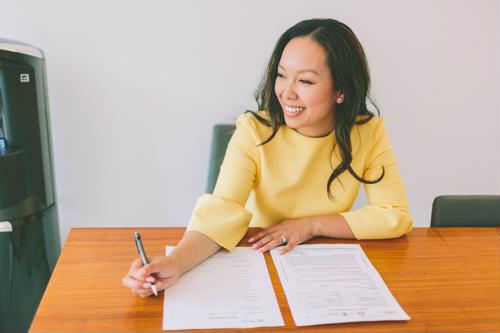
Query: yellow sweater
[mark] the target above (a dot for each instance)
(286, 179)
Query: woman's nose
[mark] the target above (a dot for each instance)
(289, 92)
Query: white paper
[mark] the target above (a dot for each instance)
(228, 290)
(334, 283)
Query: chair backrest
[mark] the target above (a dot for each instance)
(221, 134)
(466, 211)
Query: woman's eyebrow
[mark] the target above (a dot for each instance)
(302, 71)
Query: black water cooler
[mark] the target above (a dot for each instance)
(29, 231)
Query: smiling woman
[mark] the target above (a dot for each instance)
(294, 167)
(326, 55)
(304, 88)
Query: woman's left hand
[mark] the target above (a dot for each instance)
(291, 232)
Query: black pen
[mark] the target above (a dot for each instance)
(142, 253)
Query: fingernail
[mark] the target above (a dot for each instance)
(254, 246)
(146, 285)
(251, 239)
(261, 250)
(150, 279)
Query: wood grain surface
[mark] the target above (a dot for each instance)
(446, 279)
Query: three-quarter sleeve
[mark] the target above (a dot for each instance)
(222, 216)
(386, 215)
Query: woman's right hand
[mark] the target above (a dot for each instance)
(161, 272)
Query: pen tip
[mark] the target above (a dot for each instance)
(155, 291)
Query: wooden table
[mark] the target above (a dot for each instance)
(446, 279)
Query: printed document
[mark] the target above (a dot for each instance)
(334, 283)
(228, 290)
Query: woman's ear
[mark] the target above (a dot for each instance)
(340, 98)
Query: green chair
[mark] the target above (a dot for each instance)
(466, 211)
(221, 135)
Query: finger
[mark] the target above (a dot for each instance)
(135, 270)
(132, 283)
(258, 236)
(138, 274)
(264, 240)
(156, 265)
(271, 245)
(261, 240)
(136, 265)
(146, 285)
(143, 292)
(287, 248)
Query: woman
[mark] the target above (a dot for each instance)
(297, 165)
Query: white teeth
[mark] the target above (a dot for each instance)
(292, 109)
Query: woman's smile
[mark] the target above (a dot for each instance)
(293, 111)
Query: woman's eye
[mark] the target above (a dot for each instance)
(305, 81)
(280, 75)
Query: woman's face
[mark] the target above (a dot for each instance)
(305, 89)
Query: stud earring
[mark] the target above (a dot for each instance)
(339, 100)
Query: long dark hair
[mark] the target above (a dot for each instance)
(350, 75)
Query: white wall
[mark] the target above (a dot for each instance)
(135, 87)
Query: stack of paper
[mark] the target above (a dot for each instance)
(334, 283)
(228, 290)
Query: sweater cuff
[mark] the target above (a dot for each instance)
(378, 222)
(223, 221)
